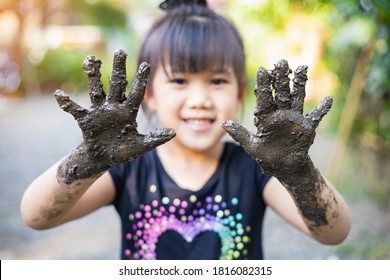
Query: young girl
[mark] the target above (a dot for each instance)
(183, 192)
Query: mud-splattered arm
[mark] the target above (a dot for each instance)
(109, 127)
(283, 139)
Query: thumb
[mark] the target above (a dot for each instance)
(239, 133)
(159, 137)
(316, 115)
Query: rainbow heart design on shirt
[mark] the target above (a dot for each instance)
(154, 223)
(172, 246)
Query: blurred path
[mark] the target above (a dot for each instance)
(35, 133)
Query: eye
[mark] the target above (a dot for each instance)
(218, 81)
(179, 81)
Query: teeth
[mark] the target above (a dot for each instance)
(199, 125)
(199, 122)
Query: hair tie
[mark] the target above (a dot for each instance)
(171, 4)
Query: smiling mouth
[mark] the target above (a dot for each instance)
(199, 124)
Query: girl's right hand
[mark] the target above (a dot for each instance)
(109, 127)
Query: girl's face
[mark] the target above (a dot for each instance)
(195, 105)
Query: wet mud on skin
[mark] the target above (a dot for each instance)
(109, 127)
(307, 193)
(284, 136)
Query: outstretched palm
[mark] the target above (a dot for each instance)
(284, 135)
(109, 127)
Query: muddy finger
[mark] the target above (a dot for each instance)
(118, 81)
(240, 134)
(158, 137)
(281, 84)
(316, 115)
(91, 66)
(299, 92)
(138, 87)
(264, 100)
(68, 105)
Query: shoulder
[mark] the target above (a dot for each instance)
(131, 165)
(124, 172)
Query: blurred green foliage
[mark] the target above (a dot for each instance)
(358, 26)
(102, 13)
(62, 67)
(355, 24)
(372, 248)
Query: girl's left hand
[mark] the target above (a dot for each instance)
(284, 135)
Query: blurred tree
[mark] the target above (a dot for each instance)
(103, 13)
(106, 21)
(61, 33)
(27, 14)
(364, 60)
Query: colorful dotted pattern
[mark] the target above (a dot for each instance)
(212, 214)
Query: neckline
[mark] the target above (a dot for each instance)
(209, 181)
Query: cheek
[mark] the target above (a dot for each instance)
(166, 108)
(230, 108)
(150, 101)
(160, 103)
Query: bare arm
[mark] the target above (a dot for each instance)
(281, 147)
(110, 136)
(46, 203)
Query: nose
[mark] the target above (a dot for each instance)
(199, 97)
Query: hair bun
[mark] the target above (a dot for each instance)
(171, 4)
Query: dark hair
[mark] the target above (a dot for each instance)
(171, 4)
(194, 38)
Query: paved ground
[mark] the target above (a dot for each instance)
(35, 133)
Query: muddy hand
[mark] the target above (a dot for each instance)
(284, 135)
(109, 127)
